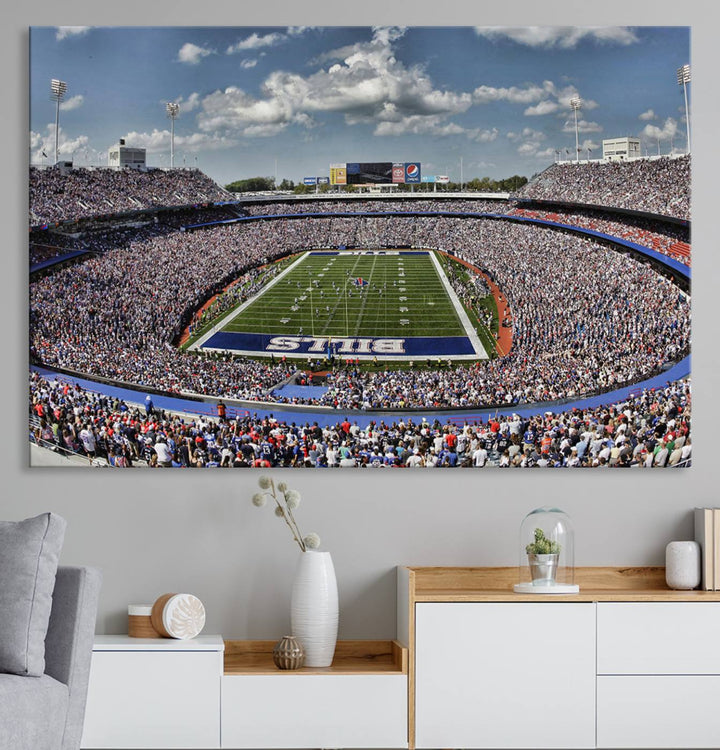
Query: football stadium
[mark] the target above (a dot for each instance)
(174, 323)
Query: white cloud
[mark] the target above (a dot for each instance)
(191, 54)
(526, 134)
(189, 104)
(567, 93)
(544, 107)
(419, 125)
(563, 37)
(544, 99)
(248, 63)
(669, 130)
(264, 131)
(527, 149)
(583, 126)
(67, 32)
(589, 144)
(40, 142)
(529, 141)
(74, 102)
(365, 82)
(649, 115)
(255, 41)
(159, 140)
(482, 136)
(299, 30)
(531, 93)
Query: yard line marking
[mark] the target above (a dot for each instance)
(467, 325)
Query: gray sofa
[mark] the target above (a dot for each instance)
(46, 712)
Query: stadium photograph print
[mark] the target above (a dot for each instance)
(330, 247)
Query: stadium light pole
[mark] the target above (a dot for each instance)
(683, 78)
(576, 104)
(172, 109)
(58, 89)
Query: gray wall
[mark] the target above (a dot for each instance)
(154, 532)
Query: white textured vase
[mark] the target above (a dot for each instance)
(314, 607)
(682, 565)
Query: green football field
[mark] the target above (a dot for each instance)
(354, 293)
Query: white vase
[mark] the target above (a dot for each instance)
(314, 607)
(682, 565)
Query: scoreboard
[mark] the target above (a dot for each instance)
(375, 173)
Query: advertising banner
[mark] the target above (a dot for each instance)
(442, 178)
(398, 173)
(338, 174)
(323, 180)
(412, 172)
(310, 180)
(427, 178)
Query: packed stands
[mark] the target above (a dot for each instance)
(58, 195)
(585, 319)
(648, 430)
(657, 185)
(666, 238)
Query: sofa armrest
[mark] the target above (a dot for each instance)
(69, 641)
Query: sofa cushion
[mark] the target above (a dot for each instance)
(32, 712)
(29, 552)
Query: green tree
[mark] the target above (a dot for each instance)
(251, 185)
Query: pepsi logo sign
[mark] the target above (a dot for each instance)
(412, 170)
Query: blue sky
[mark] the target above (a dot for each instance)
(496, 98)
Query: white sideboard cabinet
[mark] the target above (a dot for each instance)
(626, 663)
(154, 693)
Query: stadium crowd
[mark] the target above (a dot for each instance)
(659, 186)
(650, 429)
(660, 236)
(585, 319)
(377, 205)
(61, 195)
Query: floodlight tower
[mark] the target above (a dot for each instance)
(58, 89)
(683, 78)
(172, 109)
(576, 104)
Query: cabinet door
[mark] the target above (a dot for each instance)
(309, 711)
(658, 711)
(497, 675)
(658, 638)
(153, 699)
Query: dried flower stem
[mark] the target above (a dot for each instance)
(288, 517)
(285, 501)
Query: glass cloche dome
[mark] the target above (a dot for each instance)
(546, 553)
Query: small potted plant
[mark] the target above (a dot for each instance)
(543, 555)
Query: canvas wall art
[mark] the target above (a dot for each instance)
(360, 247)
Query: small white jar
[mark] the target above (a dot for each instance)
(682, 565)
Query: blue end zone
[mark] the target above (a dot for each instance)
(317, 346)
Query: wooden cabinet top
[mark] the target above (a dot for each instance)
(351, 657)
(597, 584)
